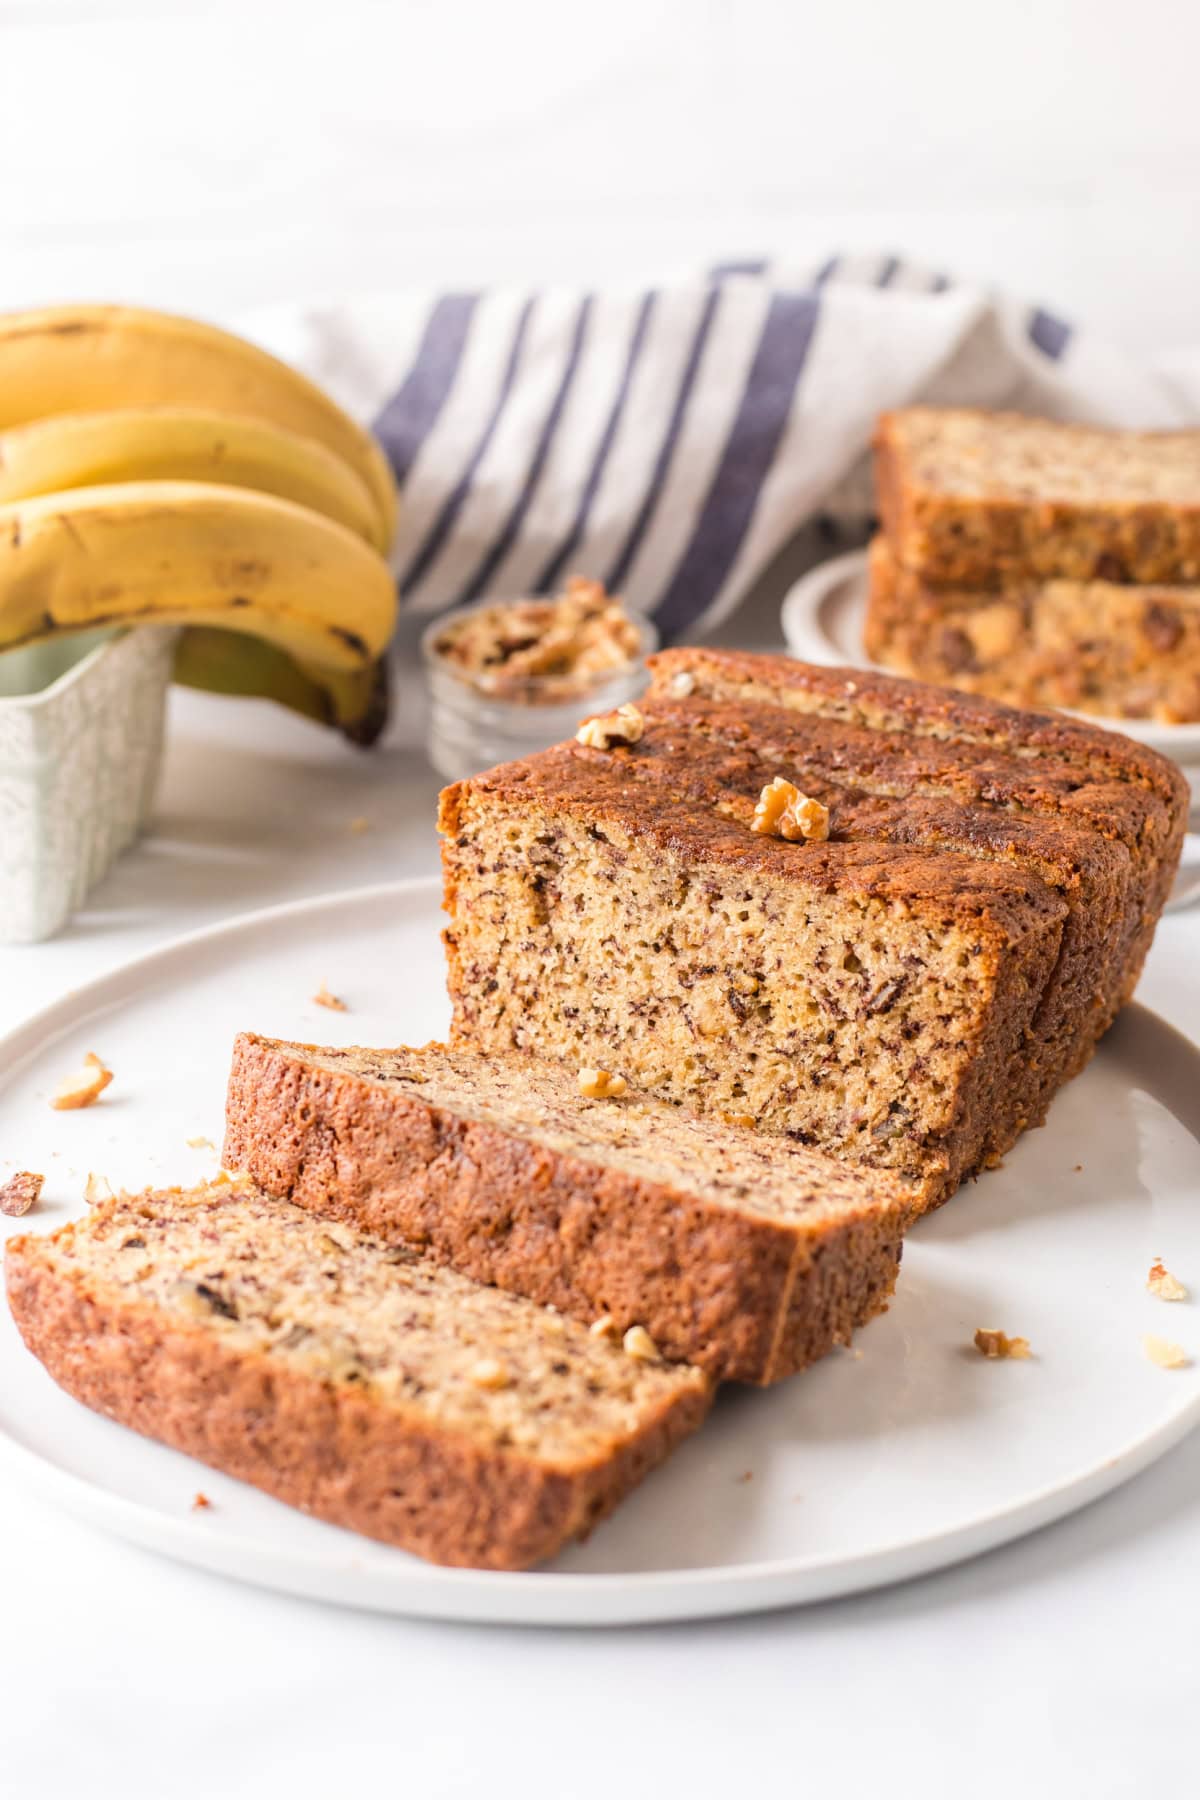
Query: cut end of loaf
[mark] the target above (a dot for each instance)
(909, 993)
(348, 1377)
(743, 1253)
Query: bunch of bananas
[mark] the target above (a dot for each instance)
(153, 469)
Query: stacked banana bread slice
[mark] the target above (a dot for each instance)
(1045, 564)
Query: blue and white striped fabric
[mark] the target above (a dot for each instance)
(670, 441)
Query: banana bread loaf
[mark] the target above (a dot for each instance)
(748, 1256)
(909, 993)
(350, 1378)
(970, 497)
(1117, 651)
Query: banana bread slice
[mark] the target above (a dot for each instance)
(748, 1256)
(909, 993)
(351, 1378)
(971, 497)
(1130, 652)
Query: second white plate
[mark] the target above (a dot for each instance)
(902, 1455)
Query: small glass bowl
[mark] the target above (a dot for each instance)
(470, 730)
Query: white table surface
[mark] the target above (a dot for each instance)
(1065, 1665)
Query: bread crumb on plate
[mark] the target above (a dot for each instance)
(323, 997)
(97, 1188)
(997, 1345)
(20, 1193)
(1162, 1284)
(1164, 1354)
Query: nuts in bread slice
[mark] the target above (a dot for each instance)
(348, 1377)
(748, 1255)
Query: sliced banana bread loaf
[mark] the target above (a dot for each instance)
(968, 497)
(746, 1255)
(348, 1377)
(1129, 652)
(909, 992)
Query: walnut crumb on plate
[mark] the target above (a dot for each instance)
(20, 1193)
(1162, 1284)
(200, 1143)
(1164, 1354)
(323, 997)
(84, 1087)
(997, 1345)
(97, 1188)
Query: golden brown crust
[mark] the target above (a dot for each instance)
(986, 755)
(927, 714)
(744, 1297)
(324, 1448)
(977, 527)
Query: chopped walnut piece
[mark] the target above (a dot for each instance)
(998, 1345)
(97, 1188)
(638, 1343)
(83, 1088)
(1164, 1354)
(323, 997)
(683, 685)
(603, 1327)
(625, 726)
(598, 1084)
(541, 651)
(19, 1193)
(1162, 1284)
(489, 1373)
(784, 812)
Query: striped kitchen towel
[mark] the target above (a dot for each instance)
(670, 441)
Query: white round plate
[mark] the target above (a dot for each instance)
(903, 1455)
(823, 616)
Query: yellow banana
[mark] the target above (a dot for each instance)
(170, 443)
(193, 553)
(95, 358)
(221, 662)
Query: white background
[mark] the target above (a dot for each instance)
(218, 153)
(215, 156)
